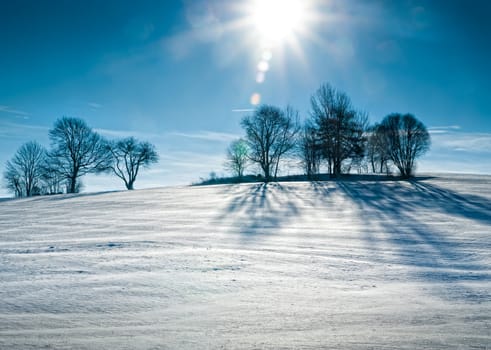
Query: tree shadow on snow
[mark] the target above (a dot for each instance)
(259, 210)
(468, 206)
(70, 196)
(435, 256)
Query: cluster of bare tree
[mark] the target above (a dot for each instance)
(336, 136)
(399, 139)
(76, 150)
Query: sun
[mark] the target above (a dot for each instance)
(276, 21)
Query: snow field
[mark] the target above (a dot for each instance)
(348, 264)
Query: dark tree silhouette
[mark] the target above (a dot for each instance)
(340, 127)
(237, 157)
(52, 180)
(406, 139)
(270, 134)
(13, 181)
(310, 150)
(24, 171)
(377, 150)
(77, 151)
(128, 156)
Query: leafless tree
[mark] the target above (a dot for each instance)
(51, 179)
(77, 151)
(270, 134)
(23, 172)
(237, 157)
(13, 181)
(406, 139)
(377, 150)
(340, 127)
(310, 150)
(129, 156)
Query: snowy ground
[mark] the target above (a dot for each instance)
(342, 265)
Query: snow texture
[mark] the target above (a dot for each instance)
(336, 264)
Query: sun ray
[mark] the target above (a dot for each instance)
(274, 34)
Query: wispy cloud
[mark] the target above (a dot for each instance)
(94, 105)
(443, 129)
(17, 130)
(126, 133)
(186, 167)
(16, 112)
(437, 163)
(192, 159)
(243, 110)
(204, 26)
(206, 135)
(454, 140)
(203, 135)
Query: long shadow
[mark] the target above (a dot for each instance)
(320, 189)
(55, 197)
(422, 244)
(260, 210)
(68, 196)
(472, 207)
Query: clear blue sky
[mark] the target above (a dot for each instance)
(181, 73)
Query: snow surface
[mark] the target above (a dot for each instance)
(342, 265)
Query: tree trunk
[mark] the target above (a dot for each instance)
(73, 185)
(266, 172)
(337, 168)
(276, 170)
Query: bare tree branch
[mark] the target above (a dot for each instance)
(77, 150)
(405, 139)
(24, 171)
(270, 134)
(128, 156)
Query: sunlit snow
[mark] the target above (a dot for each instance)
(337, 264)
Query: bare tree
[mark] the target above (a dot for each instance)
(77, 151)
(23, 172)
(270, 134)
(310, 150)
(13, 181)
(237, 157)
(406, 139)
(377, 150)
(52, 180)
(340, 127)
(128, 156)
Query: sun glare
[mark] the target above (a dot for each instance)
(277, 20)
(275, 27)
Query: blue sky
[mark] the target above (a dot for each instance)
(181, 74)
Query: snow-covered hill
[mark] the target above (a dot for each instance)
(342, 265)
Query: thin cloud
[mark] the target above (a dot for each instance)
(192, 160)
(12, 128)
(198, 136)
(462, 142)
(243, 110)
(10, 110)
(26, 132)
(190, 166)
(207, 136)
(94, 105)
(442, 165)
(126, 133)
(204, 27)
(443, 129)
